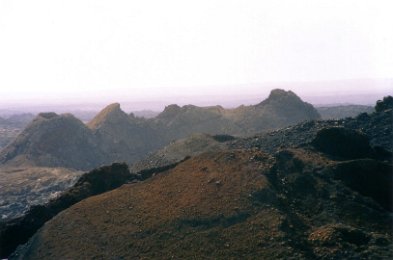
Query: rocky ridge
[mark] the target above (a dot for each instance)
(53, 140)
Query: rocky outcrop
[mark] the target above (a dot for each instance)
(385, 104)
(369, 177)
(343, 142)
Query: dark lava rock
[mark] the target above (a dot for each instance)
(342, 142)
(385, 104)
(223, 138)
(369, 177)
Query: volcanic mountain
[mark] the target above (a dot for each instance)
(53, 140)
(123, 137)
(280, 109)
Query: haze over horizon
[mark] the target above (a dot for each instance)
(97, 52)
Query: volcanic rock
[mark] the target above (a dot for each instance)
(342, 142)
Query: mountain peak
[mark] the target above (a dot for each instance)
(280, 97)
(111, 112)
(47, 115)
(170, 111)
(281, 93)
(172, 107)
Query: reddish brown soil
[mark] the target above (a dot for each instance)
(228, 205)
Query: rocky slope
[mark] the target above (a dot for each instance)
(122, 137)
(300, 203)
(16, 231)
(343, 111)
(180, 149)
(22, 188)
(377, 126)
(280, 109)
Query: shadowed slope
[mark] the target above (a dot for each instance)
(123, 137)
(280, 109)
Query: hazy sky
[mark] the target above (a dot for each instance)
(132, 49)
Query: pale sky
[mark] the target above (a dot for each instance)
(148, 49)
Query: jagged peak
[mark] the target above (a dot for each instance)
(277, 95)
(112, 111)
(172, 107)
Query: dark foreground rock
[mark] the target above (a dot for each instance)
(369, 177)
(242, 204)
(342, 142)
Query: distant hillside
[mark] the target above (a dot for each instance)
(7, 135)
(17, 120)
(145, 113)
(11, 126)
(64, 141)
(280, 109)
(343, 111)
